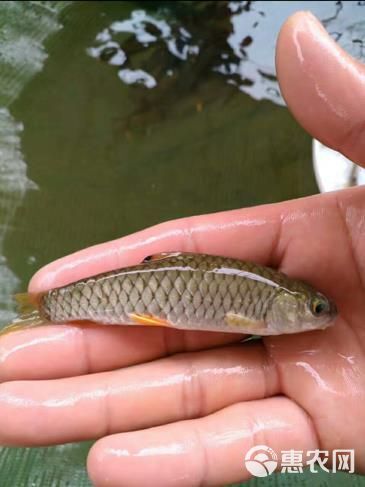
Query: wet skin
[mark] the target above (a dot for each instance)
(183, 407)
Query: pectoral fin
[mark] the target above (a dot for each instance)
(149, 320)
(245, 324)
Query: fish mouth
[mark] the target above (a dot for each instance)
(333, 311)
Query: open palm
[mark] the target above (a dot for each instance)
(183, 408)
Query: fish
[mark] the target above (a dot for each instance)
(185, 291)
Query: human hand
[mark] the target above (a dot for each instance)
(183, 408)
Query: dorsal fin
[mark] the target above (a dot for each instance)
(160, 256)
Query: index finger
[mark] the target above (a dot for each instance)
(273, 234)
(251, 233)
(219, 233)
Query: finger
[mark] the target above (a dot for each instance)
(260, 233)
(216, 233)
(171, 389)
(55, 351)
(323, 86)
(208, 451)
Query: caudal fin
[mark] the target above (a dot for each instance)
(28, 314)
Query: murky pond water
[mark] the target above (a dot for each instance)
(118, 115)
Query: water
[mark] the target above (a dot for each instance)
(116, 115)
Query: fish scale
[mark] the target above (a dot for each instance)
(181, 290)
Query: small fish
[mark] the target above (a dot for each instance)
(186, 291)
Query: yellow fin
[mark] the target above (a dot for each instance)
(247, 325)
(27, 302)
(160, 256)
(29, 315)
(148, 320)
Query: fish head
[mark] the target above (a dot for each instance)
(298, 311)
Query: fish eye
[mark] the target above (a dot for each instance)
(319, 306)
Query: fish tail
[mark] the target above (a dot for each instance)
(29, 314)
(27, 303)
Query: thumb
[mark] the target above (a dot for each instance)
(323, 86)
